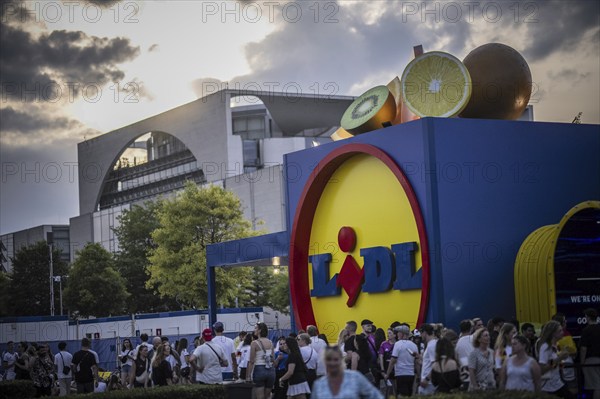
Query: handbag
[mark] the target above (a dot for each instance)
(222, 362)
(124, 358)
(144, 377)
(268, 358)
(66, 369)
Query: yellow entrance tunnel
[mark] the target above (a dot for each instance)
(535, 287)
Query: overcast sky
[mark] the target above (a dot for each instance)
(73, 70)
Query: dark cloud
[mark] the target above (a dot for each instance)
(343, 47)
(58, 62)
(561, 26)
(152, 48)
(12, 120)
(372, 41)
(570, 75)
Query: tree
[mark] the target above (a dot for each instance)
(4, 294)
(134, 234)
(258, 290)
(280, 291)
(94, 287)
(268, 286)
(30, 281)
(188, 224)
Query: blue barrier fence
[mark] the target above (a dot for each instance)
(108, 349)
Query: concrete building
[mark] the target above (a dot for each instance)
(208, 141)
(11, 243)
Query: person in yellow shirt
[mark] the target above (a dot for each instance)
(566, 342)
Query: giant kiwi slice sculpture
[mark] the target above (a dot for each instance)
(372, 110)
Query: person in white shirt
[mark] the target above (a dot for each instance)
(9, 358)
(173, 361)
(428, 335)
(464, 347)
(126, 360)
(237, 343)
(244, 351)
(231, 371)
(403, 361)
(318, 345)
(549, 359)
(144, 338)
(310, 358)
(62, 359)
(184, 358)
(208, 358)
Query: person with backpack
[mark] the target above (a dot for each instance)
(260, 368)
(85, 368)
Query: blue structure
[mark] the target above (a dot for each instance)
(483, 186)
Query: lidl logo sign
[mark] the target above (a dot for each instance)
(358, 244)
(383, 269)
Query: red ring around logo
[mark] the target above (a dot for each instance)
(303, 220)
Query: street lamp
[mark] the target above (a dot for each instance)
(49, 240)
(58, 279)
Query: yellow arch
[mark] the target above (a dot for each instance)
(534, 269)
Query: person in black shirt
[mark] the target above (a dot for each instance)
(296, 372)
(590, 352)
(85, 368)
(161, 369)
(349, 344)
(140, 370)
(528, 331)
(361, 358)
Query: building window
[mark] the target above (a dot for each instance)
(252, 153)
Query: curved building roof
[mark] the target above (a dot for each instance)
(204, 127)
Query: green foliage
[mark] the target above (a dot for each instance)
(267, 288)
(175, 391)
(94, 287)
(188, 224)
(29, 290)
(135, 241)
(4, 294)
(17, 389)
(280, 291)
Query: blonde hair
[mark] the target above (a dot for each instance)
(503, 339)
(342, 336)
(159, 355)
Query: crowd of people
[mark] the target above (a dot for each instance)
(362, 364)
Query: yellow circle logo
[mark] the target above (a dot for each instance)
(359, 248)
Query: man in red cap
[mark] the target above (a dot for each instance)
(209, 359)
